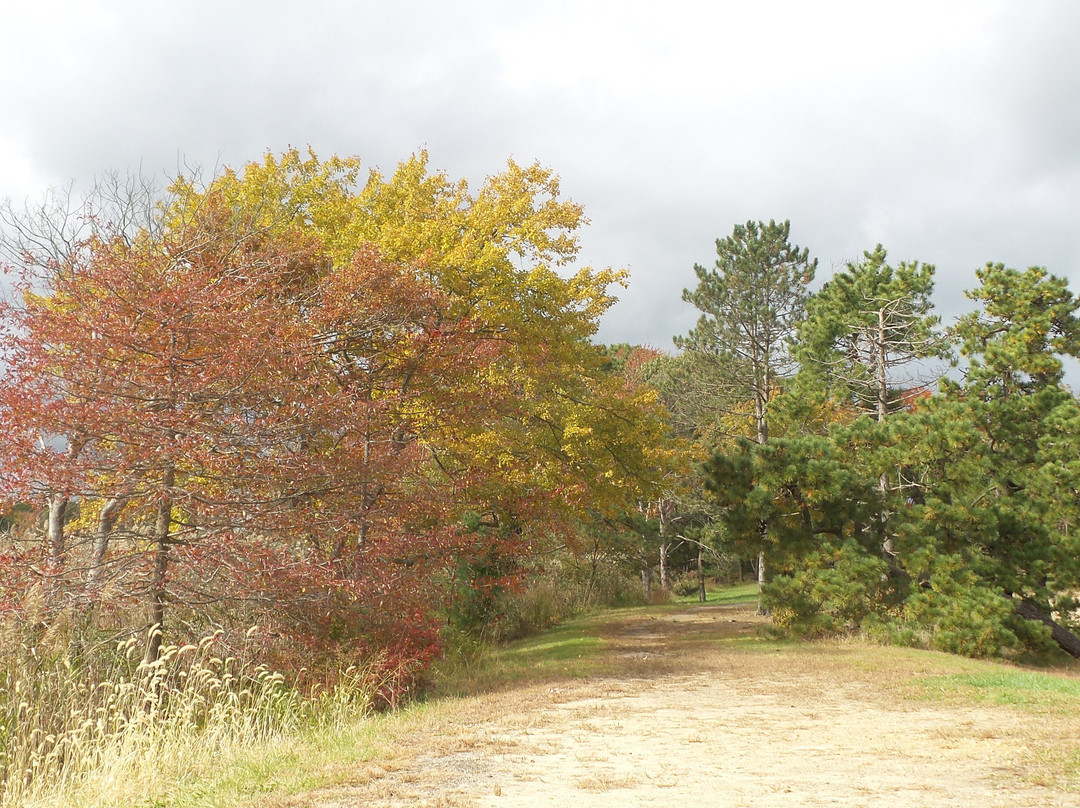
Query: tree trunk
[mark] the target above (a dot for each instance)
(57, 511)
(162, 529)
(1068, 641)
(58, 504)
(882, 396)
(881, 368)
(760, 571)
(664, 567)
(594, 568)
(761, 420)
(646, 578)
(110, 512)
(701, 573)
(761, 583)
(761, 404)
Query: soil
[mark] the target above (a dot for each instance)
(683, 720)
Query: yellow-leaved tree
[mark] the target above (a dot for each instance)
(528, 435)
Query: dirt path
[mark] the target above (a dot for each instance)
(681, 722)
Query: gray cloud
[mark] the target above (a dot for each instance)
(947, 132)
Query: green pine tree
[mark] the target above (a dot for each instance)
(751, 302)
(987, 537)
(865, 326)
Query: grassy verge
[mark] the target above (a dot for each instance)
(573, 649)
(1048, 701)
(737, 593)
(1033, 691)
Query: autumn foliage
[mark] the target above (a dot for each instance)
(297, 404)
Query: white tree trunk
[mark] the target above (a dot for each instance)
(55, 532)
(760, 582)
(110, 512)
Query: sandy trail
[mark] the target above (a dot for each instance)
(679, 724)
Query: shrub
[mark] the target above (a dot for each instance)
(544, 596)
(960, 616)
(835, 591)
(685, 586)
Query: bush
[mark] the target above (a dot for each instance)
(836, 591)
(543, 597)
(960, 616)
(685, 586)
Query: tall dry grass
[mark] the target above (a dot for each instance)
(102, 727)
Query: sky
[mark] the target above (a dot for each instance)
(947, 131)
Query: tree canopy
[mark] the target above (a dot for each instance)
(943, 518)
(282, 400)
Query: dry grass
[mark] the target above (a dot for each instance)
(605, 781)
(110, 729)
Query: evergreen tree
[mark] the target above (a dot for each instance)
(983, 533)
(1026, 420)
(868, 322)
(751, 302)
(984, 556)
(817, 502)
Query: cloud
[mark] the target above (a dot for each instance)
(947, 132)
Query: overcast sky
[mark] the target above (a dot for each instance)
(947, 131)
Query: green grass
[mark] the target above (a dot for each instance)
(736, 593)
(1025, 689)
(548, 651)
(572, 649)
